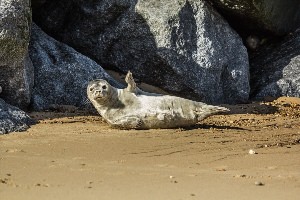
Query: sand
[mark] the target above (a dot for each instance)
(73, 155)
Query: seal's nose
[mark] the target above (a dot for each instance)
(98, 92)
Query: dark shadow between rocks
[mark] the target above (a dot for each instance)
(268, 66)
(263, 73)
(210, 126)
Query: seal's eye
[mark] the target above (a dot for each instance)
(91, 89)
(104, 87)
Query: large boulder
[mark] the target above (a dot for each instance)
(12, 118)
(16, 72)
(261, 16)
(61, 73)
(275, 69)
(183, 47)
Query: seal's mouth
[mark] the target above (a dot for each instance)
(98, 98)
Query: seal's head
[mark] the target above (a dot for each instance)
(99, 90)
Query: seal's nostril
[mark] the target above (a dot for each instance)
(98, 92)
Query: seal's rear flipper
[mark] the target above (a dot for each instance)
(208, 110)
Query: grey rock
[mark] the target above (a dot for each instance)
(13, 119)
(61, 73)
(275, 69)
(183, 47)
(266, 16)
(16, 77)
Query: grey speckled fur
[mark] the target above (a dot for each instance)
(132, 108)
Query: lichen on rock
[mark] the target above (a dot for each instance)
(16, 75)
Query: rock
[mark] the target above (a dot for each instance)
(258, 183)
(183, 47)
(264, 16)
(61, 73)
(275, 69)
(252, 42)
(252, 152)
(16, 72)
(12, 118)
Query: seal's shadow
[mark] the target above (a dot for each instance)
(252, 108)
(212, 126)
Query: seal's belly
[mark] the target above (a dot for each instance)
(166, 121)
(157, 112)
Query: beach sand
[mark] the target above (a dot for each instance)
(72, 155)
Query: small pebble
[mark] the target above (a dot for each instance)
(240, 176)
(258, 183)
(171, 177)
(252, 152)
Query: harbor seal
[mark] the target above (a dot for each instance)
(133, 108)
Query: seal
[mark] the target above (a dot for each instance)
(133, 108)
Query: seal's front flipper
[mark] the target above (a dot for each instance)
(129, 122)
(131, 87)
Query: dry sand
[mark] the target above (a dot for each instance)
(77, 156)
